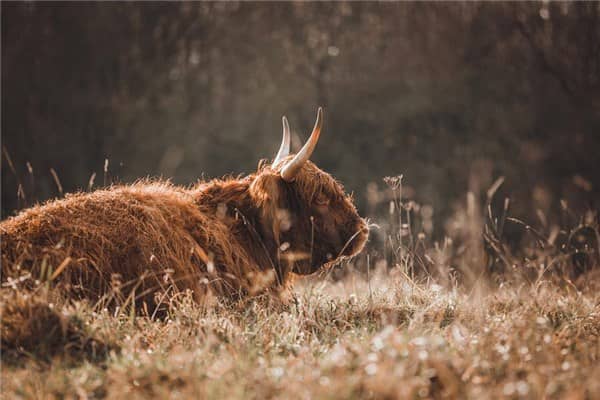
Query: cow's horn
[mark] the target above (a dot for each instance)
(284, 149)
(290, 170)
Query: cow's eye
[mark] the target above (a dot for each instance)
(322, 200)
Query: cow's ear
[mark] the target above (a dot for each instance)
(268, 193)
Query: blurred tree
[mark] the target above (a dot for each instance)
(431, 90)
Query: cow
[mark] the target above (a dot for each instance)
(227, 237)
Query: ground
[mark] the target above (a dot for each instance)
(388, 336)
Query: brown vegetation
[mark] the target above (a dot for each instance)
(35, 329)
(388, 337)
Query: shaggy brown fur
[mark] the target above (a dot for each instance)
(229, 237)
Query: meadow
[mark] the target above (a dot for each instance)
(422, 319)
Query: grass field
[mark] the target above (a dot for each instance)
(387, 337)
(367, 329)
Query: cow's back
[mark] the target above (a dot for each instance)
(108, 243)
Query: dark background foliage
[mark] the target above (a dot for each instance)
(452, 96)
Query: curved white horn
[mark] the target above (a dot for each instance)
(290, 170)
(284, 149)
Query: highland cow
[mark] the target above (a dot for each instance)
(228, 237)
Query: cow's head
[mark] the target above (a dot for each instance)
(304, 210)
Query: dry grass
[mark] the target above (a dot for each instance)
(34, 329)
(387, 338)
(435, 325)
